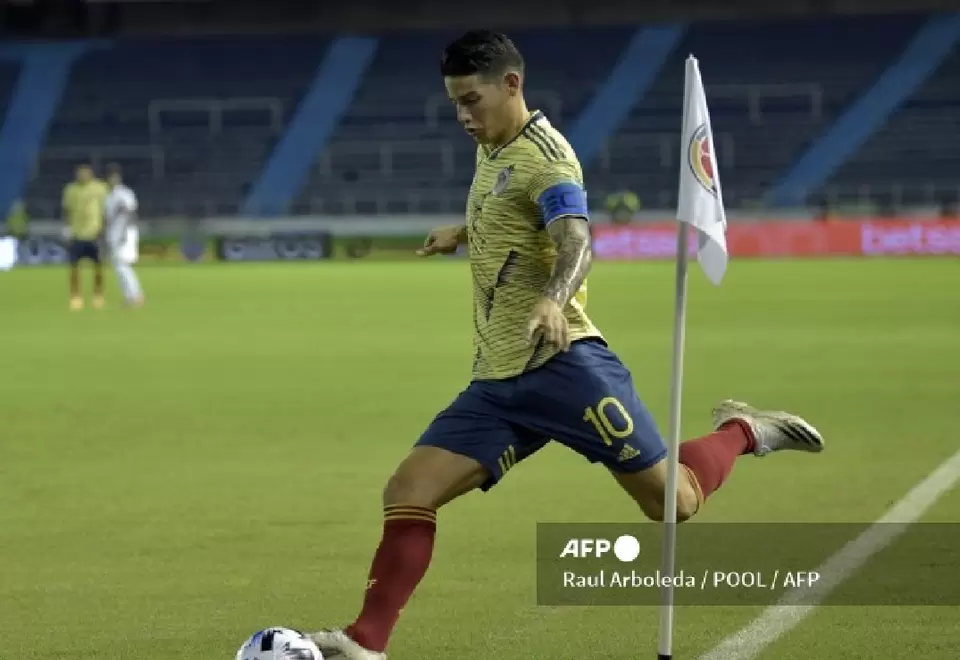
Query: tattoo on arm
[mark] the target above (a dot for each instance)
(574, 257)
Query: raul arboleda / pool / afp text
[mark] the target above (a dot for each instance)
(736, 564)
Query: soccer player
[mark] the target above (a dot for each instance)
(541, 368)
(122, 235)
(83, 207)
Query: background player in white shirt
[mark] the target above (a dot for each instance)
(123, 236)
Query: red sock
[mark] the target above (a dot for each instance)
(399, 564)
(710, 459)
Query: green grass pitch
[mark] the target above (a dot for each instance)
(174, 478)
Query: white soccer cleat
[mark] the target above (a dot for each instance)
(337, 645)
(773, 430)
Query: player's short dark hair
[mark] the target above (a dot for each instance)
(480, 52)
(114, 169)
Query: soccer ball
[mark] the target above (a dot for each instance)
(279, 643)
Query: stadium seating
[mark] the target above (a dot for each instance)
(400, 148)
(915, 158)
(193, 120)
(773, 87)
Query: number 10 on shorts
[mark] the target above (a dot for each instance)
(599, 416)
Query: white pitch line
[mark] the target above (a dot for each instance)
(779, 619)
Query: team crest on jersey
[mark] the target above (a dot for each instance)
(700, 159)
(503, 180)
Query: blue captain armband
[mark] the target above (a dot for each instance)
(562, 199)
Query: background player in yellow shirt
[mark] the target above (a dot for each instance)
(542, 370)
(83, 208)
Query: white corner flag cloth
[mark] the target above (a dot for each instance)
(700, 203)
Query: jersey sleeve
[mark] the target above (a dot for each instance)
(557, 189)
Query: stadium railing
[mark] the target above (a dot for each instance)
(215, 109)
(756, 94)
(98, 156)
(666, 145)
(434, 158)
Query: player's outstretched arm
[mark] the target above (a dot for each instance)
(574, 258)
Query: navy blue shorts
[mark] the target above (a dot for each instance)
(84, 250)
(583, 399)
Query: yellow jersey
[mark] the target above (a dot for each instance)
(84, 206)
(511, 254)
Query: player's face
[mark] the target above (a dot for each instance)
(84, 174)
(482, 104)
(113, 180)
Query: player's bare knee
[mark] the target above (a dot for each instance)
(399, 490)
(430, 477)
(688, 503)
(409, 487)
(654, 508)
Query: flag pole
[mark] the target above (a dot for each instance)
(669, 548)
(668, 553)
(700, 207)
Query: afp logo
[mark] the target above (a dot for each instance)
(626, 548)
(701, 161)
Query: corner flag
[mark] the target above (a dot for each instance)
(699, 205)
(700, 202)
